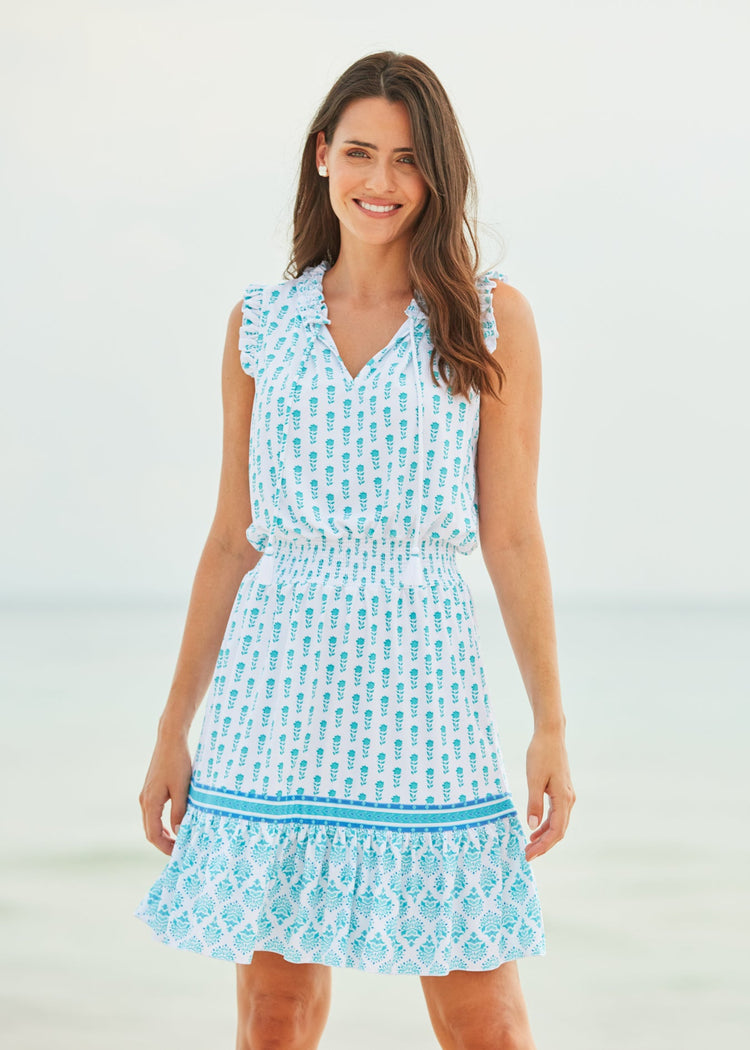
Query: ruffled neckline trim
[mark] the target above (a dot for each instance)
(315, 312)
(314, 308)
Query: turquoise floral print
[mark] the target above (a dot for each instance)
(349, 804)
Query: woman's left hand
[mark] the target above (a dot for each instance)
(547, 771)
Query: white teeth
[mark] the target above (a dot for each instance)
(377, 207)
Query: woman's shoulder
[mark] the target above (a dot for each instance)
(267, 302)
(269, 293)
(504, 306)
(513, 324)
(487, 282)
(252, 310)
(508, 303)
(259, 297)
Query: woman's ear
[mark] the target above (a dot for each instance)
(321, 149)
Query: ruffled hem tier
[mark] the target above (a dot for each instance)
(369, 898)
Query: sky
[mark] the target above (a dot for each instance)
(149, 165)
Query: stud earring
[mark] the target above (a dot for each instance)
(322, 170)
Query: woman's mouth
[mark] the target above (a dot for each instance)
(378, 210)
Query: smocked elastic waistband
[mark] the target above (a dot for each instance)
(358, 560)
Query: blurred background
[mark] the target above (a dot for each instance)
(149, 165)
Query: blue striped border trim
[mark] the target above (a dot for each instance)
(309, 809)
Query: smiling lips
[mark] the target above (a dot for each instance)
(377, 209)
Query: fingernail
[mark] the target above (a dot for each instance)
(533, 820)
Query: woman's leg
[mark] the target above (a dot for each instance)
(281, 1003)
(479, 1009)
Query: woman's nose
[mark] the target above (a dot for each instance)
(380, 177)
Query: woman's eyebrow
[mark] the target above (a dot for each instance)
(369, 145)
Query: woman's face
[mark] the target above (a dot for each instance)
(370, 160)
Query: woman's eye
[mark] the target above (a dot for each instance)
(361, 153)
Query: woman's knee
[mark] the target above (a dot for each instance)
(483, 1010)
(276, 1019)
(281, 1004)
(499, 1033)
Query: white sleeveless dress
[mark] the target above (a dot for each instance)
(349, 804)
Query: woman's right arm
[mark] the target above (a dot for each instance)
(226, 558)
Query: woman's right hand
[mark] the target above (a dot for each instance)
(167, 779)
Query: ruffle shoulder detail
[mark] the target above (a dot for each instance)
(486, 282)
(251, 329)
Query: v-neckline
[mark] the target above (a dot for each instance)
(372, 362)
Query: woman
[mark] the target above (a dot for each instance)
(347, 804)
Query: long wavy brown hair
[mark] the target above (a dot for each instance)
(444, 249)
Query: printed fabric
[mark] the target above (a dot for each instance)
(349, 803)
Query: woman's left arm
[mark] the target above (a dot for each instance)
(512, 545)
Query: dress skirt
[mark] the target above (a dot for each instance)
(349, 803)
